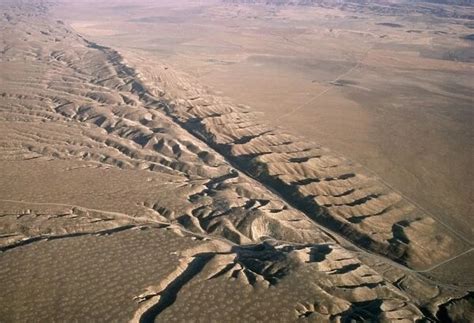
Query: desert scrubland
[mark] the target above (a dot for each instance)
(235, 161)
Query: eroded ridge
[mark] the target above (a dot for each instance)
(70, 106)
(346, 288)
(119, 111)
(71, 99)
(337, 284)
(331, 190)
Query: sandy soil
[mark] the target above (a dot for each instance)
(132, 192)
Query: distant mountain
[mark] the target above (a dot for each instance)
(451, 2)
(438, 8)
(340, 2)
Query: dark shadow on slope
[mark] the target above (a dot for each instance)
(368, 311)
(168, 296)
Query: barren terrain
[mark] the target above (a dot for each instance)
(136, 187)
(396, 80)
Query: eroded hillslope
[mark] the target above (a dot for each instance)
(111, 207)
(331, 190)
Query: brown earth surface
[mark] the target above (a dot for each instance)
(387, 85)
(131, 191)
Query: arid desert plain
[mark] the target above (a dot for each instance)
(236, 160)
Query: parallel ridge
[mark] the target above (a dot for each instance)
(119, 112)
(63, 97)
(331, 190)
(86, 104)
